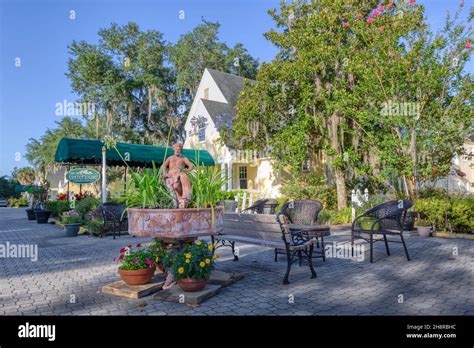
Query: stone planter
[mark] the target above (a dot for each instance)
(172, 225)
(424, 231)
(72, 229)
(137, 277)
(192, 285)
(30, 213)
(42, 216)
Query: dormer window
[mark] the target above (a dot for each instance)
(206, 93)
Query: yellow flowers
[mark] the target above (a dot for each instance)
(187, 255)
(208, 261)
(156, 259)
(202, 264)
(209, 247)
(181, 270)
(198, 242)
(216, 256)
(187, 261)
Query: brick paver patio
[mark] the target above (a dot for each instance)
(433, 283)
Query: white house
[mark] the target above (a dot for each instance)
(213, 109)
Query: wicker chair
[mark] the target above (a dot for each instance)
(302, 212)
(114, 217)
(387, 219)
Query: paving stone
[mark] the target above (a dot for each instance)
(176, 294)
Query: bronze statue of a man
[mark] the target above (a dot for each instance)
(175, 171)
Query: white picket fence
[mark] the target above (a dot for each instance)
(247, 200)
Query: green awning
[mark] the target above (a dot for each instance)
(82, 151)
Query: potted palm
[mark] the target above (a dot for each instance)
(423, 227)
(192, 265)
(137, 265)
(72, 223)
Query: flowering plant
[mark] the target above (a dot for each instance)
(140, 258)
(162, 253)
(70, 217)
(39, 192)
(194, 261)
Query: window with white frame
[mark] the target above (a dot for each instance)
(243, 177)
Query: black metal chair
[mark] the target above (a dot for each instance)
(302, 212)
(390, 219)
(114, 217)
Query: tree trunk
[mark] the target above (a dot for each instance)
(414, 161)
(341, 189)
(335, 141)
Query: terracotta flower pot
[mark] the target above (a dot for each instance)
(192, 285)
(137, 277)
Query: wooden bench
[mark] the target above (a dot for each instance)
(267, 231)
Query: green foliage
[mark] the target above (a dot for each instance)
(343, 216)
(139, 258)
(86, 205)
(423, 223)
(17, 202)
(461, 214)
(7, 187)
(25, 175)
(433, 210)
(206, 183)
(310, 186)
(72, 219)
(193, 261)
(95, 226)
(146, 189)
(58, 207)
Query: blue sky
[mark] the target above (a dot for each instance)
(39, 31)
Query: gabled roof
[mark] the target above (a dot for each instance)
(220, 113)
(229, 84)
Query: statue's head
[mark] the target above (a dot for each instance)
(177, 148)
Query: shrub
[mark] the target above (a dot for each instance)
(461, 215)
(17, 202)
(324, 216)
(433, 209)
(70, 217)
(343, 216)
(58, 207)
(95, 227)
(85, 205)
(310, 186)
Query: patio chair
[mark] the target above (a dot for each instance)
(302, 212)
(114, 217)
(386, 219)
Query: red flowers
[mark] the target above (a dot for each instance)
(369, 20)
(345, 24)
(468, 44)
(139, 245)
(390, 5)
(121, 257)
(123, 250)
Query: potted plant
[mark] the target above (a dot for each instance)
(162, 254)
(72, 223)
(423, 227)
(95, 226)
(40, 195)
(192, 265)
(137, 266)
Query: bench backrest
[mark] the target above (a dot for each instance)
(261, 226)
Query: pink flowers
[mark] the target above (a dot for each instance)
(139, 245)
(390, 5)
(412, 1)
(345, 24)
(123, 250)
(135, 261)
(369, 20)
(381, 8)
(461, 4)
(358, 16)
(376, 13)
(148, 262)
(468, 44)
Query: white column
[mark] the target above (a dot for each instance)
(229, 175)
